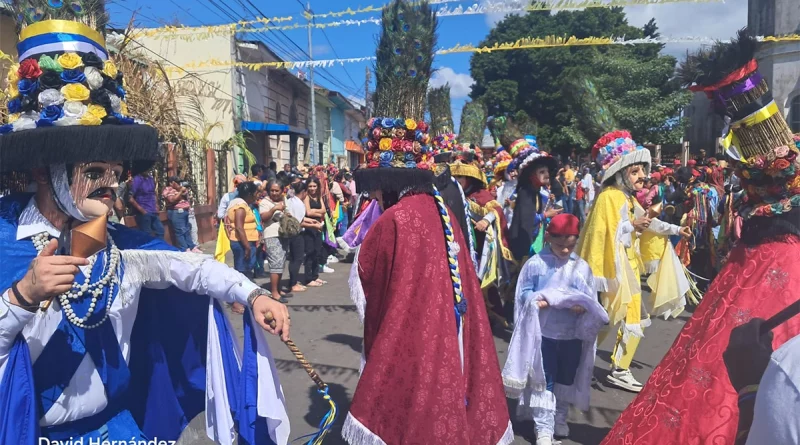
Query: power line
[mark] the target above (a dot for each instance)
(337, 56)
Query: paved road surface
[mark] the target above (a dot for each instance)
(326, 328)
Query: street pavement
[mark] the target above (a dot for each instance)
(325, 327)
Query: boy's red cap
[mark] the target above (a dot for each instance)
(564, 224)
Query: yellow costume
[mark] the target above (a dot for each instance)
(611, 246)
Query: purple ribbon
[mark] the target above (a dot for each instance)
(751, 82)
(358, 230)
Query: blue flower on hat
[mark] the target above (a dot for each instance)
(385, 164)
(408, 156)
(387, 122)
(44, 123)
(15, 106)
(121, 92)
(399, 123)
(27, 86)
(411, 164)
(424, 149)
(386, 156)
(124, 120)
(6, 128)
(419, 135)
(50, 114)
(73, 76)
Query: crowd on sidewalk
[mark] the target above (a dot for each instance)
(295, 216)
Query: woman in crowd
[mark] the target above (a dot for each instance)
(296, 208)
(315, 210)
(272, 209)
(244, 232)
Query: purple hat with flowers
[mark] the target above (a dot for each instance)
(617, 150)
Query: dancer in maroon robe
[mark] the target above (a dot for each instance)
(430, 373)
(689, 398)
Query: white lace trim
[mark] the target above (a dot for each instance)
(508, 436)
(355, 433)
(356, 289)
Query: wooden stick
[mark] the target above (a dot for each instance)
(781, 317)
(270, 319)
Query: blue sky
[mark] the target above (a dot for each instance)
(717, 20)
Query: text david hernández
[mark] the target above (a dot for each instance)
(98, 441)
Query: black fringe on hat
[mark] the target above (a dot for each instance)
(761, 229)
(393, 179)
(40, 147)
(710, 65)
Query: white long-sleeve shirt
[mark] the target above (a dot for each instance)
(85, 394)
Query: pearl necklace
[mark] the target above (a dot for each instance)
(109, 279)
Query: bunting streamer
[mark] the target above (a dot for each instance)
(488, 7)
(526, 43)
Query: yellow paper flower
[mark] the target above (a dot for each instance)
(385, 144)
(97, 111)
(411, 124)
(12, 91)
(70, 61)
(109, 69)
(123, 108)
(13, 117)
(75, 92)
(89, 119)
(13, 74)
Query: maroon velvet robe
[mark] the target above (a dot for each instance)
(412, 389)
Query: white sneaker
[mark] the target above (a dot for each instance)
(326, 269)
(622, 378)
(332, 259)
(547, 440)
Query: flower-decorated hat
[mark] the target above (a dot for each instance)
(756, 134)
(66, 97)
(502, 159)
(523, 149)
(399, 155)
(617, 150)
(443, 147)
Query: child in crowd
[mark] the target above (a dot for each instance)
(551, 355)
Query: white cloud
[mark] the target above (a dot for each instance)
(460, 84)
(715, 20)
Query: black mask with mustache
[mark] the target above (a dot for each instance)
(102, 191)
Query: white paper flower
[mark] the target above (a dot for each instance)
(26, 122)
(93, 77)
(66, 121)
(116, 103)
(74, 109)
(51, 97)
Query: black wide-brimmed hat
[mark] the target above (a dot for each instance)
(66, 96)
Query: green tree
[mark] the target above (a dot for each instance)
(634, 83)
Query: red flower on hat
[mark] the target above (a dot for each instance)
(422, 126)
(29, 69)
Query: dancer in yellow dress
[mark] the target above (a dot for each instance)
(609, 242)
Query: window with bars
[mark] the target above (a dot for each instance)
(794, 114)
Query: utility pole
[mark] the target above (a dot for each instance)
(366, 92)
(313, 138)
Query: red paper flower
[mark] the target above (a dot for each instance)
(422, 126)
(29, 69)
